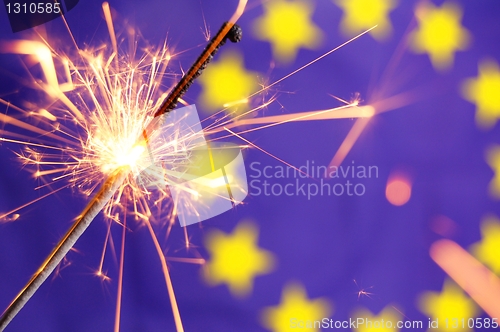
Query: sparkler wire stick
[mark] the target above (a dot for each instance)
(67, 242)
(229, 30)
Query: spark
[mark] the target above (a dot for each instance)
(170, 288)
(362, 291)
(348, 142)
(120, 275)
(199, 261)
(7, 218)
(344, 112)
(266, 152)
(313, 61)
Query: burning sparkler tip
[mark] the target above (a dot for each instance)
(235, 34)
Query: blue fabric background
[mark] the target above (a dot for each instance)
(323, 243)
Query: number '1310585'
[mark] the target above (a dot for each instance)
(33, 8)
(471, 323)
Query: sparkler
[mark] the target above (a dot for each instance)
(121, 114)
(229, 30)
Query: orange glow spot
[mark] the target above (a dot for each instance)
(398, 190)
(443, 226)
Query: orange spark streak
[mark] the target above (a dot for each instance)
(168, 281)
(109, 22)
(199, 261)
(239, 11)
(2, 139)
(343, 112)
(299, 69)
(313, 61)
(43, 173)
(268, 153)
(38, 50)
(186, 237)
(120, 274)
(33, 201)
(44, 56)
(18, 123)
(232, 118)
(46, 114)
(349, 141)
(101, 263)
(474, 278)
(8, 104)
(396, 101)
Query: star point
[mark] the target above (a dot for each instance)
(296, 311)
(483, 91)
(226, 82)
(493, 159)
(488, 249)
(373, 323)
(451, 303)
(360, 15)
(439, 33)
(236, 260)
(287, 25)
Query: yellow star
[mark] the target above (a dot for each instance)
(226, 82)
(385, 321)
(440, 33)
(360, 15)
(295, 311)
(448, 307)
(288, 26)
(493, 158)
(236, 259)
(484, 92)
(488, 250)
